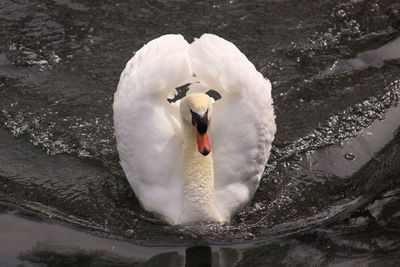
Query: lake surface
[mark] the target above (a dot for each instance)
(330, 193)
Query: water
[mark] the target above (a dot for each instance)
(329, 195)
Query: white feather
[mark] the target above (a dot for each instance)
(148, 128)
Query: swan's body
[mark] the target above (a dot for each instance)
(158, 142)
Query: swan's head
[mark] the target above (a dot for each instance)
(196, 109)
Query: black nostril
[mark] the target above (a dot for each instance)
(205, 152)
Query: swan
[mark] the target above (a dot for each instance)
(195, 159)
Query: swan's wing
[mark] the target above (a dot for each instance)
(147, 127)
(242, 124)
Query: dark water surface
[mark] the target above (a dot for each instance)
(330, 194)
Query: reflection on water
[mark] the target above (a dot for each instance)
(371, 58)
(35, 240)
(346, 158)
(330, 191)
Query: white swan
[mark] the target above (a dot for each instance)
(164, 148)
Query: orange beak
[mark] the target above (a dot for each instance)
(203, 143)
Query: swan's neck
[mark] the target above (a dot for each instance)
(197, 182)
